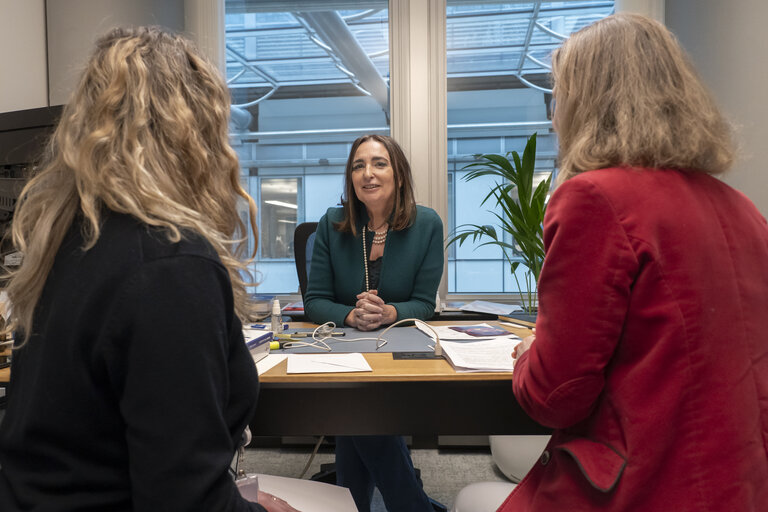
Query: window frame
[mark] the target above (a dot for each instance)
(417, 31)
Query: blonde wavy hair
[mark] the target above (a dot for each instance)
(626, 94)
(146, 134)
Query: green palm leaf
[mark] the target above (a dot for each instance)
(521, 206)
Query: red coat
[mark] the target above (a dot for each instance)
(651, 357)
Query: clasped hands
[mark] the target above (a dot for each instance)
(371, 312)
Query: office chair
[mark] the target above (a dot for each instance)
(303, 242)
(514, 456)
(482, 497)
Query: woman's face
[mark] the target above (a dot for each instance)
(373, 176)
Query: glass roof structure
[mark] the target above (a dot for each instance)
(270, 51)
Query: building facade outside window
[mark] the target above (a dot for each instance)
(308, 77)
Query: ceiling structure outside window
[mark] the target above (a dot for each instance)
(309, 76)
(345, 49)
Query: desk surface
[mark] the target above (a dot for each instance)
(404, 396)
(5, 373)
(387, 369)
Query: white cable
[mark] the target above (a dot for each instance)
(314, 344)
(328, 327)
(325, 330)
(311, 457)
(438, 348)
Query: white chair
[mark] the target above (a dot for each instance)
(516, 455)
(482, 497)
(304, 495)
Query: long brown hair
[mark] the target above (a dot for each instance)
(145, 133)
(627, 95)
(404, 209)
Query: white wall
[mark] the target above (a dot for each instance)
(728, 45)
(651, 8)
(74, 25)
(23, 82)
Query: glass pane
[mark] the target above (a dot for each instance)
(278, 207)
(307, 77)
(498, 95)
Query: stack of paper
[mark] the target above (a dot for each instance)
(469, 350)
(493, 308)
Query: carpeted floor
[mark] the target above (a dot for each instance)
(444, 471)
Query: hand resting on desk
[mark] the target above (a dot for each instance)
(524, 345)
(370, 312)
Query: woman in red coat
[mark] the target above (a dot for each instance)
(651, 353)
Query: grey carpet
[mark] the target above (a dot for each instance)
(444, 471)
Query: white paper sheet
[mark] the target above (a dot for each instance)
(481, 356)
(493, 308)
(327, 363)
(269, 362)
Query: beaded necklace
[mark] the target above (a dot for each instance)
(379, 237)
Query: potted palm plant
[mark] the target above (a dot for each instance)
(522, 214)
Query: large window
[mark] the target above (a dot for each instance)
(308, 76)
(305, 83)
(498, 63)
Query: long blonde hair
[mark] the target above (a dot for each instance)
(626, 94)
(146, 134)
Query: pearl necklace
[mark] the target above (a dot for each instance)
(379, 237)
(365, 260)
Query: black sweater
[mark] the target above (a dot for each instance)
(134, 389)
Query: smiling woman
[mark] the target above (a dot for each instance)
(376, 260)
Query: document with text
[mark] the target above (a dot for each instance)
(475, 348)
(481, 356)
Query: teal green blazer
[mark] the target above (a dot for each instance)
(411, 268)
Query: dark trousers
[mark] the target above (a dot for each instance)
(365, 462)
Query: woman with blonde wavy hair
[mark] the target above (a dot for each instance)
(650, 359)
(131, 385)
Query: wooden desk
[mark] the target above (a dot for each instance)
(5, 377)
(410, 397)
(5, 373)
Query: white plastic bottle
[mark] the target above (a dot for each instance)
(277, 318)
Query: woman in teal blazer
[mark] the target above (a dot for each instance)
(376, 260)
(411, 268)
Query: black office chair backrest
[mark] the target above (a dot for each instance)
(303, 241)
